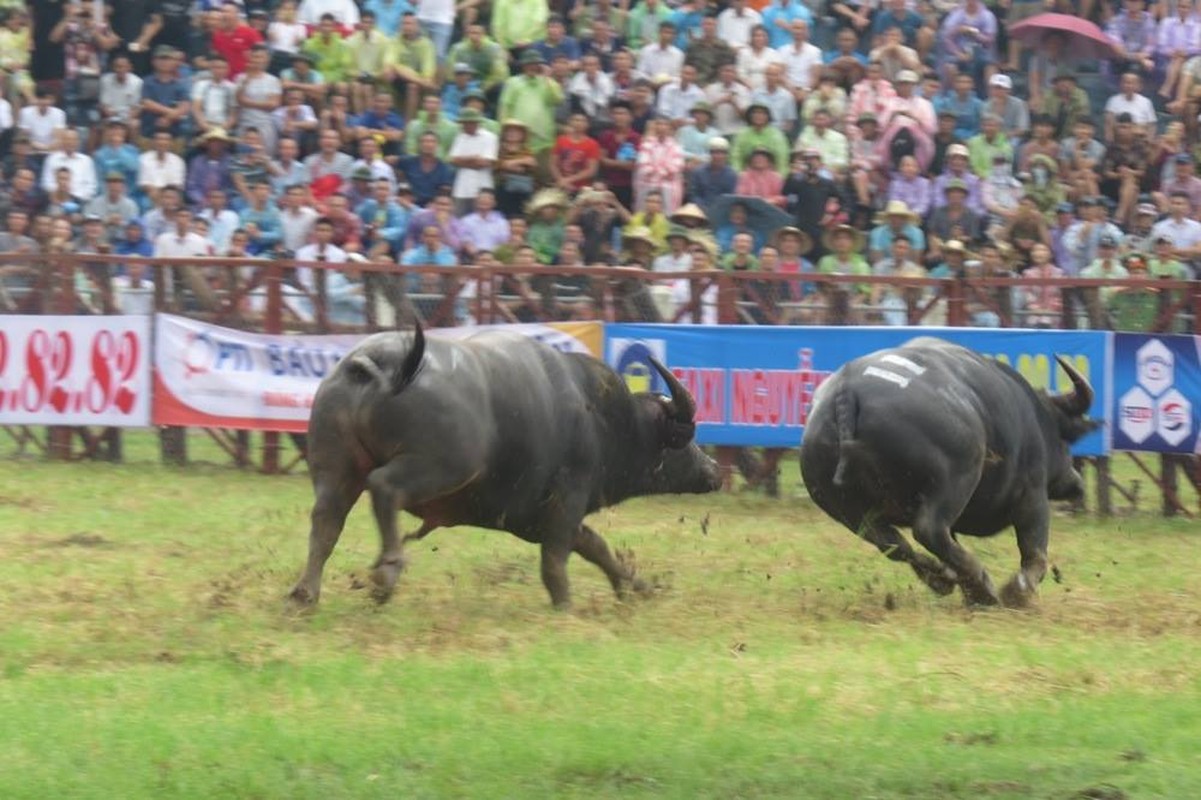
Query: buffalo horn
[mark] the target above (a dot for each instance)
(1081, 399)
(681, 400)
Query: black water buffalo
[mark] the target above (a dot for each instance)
(935, 437)
(496, 431)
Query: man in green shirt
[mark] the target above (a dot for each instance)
(761, 135)
(329, 50)
(740, 258)
(845, 302)
(985, 146)
(532, 97)
(487, 59)
(519, 23)
(644, 21)
(431, 120)
(413, 63)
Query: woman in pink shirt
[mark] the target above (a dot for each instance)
(1043, 304)
(761, 179)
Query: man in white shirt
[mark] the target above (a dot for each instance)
(120, 91)
(295, 219)
(214, 103)
(661, 57)
(730, 99)
(322, 250)
(1185, 233)
(473, 155)
(1129, 101)
(734, 25)
(181, 241)
(344, 11)
(801, 59)
(159, 167)
(677, 98)
(42, 121)
(591, 88)
(84, 184)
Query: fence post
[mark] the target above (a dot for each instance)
(1104, 488)
(727, 300)
(956, 308)
(273, 323)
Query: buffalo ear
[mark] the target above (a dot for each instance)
(676, 433)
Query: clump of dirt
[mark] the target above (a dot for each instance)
(25, 503)
(502, 573)
(987, 738)
(1104, 791)
(82, 540)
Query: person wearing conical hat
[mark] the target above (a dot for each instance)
(897, 219)
(677, 258)
(547, 212)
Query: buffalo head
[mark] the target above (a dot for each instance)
(1071, 422)
(677, 466)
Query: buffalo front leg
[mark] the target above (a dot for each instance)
(593, 548)
(332, 505)
(1033, 532)
(889, 541)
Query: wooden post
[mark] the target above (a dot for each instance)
(273, 322)
(173, 445)
(1168, 485)
(1104, 487)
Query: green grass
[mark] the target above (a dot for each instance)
(144, 652)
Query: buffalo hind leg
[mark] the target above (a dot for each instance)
(1032, 535)
(333, 503)
(592, 548)
(889, 541)
(555, 552)
(932, 527)
(401, 483)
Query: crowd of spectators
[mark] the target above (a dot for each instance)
(889, 137)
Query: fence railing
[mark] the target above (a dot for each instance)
(278, 296)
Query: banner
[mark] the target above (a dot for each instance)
(754, 385)
(1157, 393)
(75, 370)
(209, 376)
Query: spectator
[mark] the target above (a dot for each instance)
(210, 169)
(969, 41)
(328, 160)
(776, 95)
(894, 56)
(120, 91)
(1184, 231)
(677, 98)
(1043, 303)
(576, 156)
(661, 57)
(233, 38)
(296, 218)
(778, 17)
(897, 219)
(487, 59)
(474, 155)
(258, 96)
(485, 228)
(963, 105)
(802, 60)
(222, 220)
(660, 168)
(892, 302)
(761, 178)
(42, 121)
(165, 100)
(531, 97)
(286, 170)
(261, 220)
(414, 61)
(343, 13)
(517, 24)
(644, 21)
(159, 167)
(730, 100)
(323, 250)
(81, 168)
(1129, 102)
(709, 52)
(113, 206)
(830, 143)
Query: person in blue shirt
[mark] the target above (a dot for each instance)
(778, 17)
(454, 91)
(431, 251)
(388, 14)
(558, 43)
(710, 181)
(163, 94)
(384, 220)
(261, 219)
(118, 155)
(425, 172)
(896, 14)
(687, 19)
(962, 101)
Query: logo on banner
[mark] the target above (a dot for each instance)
(632, 361)
(1155, 367)
(1174, 417)
(1136, 415)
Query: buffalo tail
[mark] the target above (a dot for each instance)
(367, 367)
(846, 409)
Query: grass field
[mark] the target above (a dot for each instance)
(144, 652)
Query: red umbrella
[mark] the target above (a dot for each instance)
(1084, 39)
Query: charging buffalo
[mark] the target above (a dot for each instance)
(937, 438)
(497, 431)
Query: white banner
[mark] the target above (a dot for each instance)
(209, 376)
(75, 370)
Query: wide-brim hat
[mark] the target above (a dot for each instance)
(806, 239)
(513, 122)
(705, 240)
(747, 115)
(956, 246)
(897, 208)
(703, 106)
(590, 196)
(958, 150)
(217, 134)
(639, 233)
(856, 234)
(470, 115)
(689, 211)
(956, 184)
(1065, 73)
(546, 198)
(531, 56)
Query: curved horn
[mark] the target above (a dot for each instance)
(681, 400)
(1081, 399)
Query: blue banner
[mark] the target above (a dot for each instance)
(754, 385)
(1157, 393)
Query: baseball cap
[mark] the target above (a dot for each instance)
(1147, 208)
(906, 76)
(1108, 240)
(1065, 208)
(1004, 81)
(719, 143)
(958, 150)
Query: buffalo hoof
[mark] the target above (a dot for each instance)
(1017, 593)
(300, 598)
(980, 594)
(383, 580)
(942, 582)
